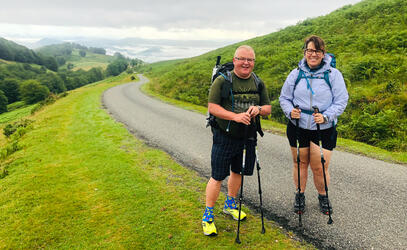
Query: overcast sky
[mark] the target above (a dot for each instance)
(156, 19)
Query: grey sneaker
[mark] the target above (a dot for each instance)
(299, 203)
(324, 204)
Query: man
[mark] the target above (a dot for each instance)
(232, 115)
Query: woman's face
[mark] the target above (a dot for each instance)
(313, 56)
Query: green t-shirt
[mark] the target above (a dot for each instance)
(242, 100)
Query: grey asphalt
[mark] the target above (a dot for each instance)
(368, 196)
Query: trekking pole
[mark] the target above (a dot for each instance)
(316, 110)
(263, 230)
(298, 166)
(241, 186)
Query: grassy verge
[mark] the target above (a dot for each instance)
(278, 128)
(15, 114)
(81, 180)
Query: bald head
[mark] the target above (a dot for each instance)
(246, 48)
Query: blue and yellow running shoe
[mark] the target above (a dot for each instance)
(231, 208)
(208, 223)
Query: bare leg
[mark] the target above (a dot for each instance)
(304, 161)
(212, 192)
(316, 167)
(234, 183)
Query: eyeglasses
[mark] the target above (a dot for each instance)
(312, 51)
(249, 60)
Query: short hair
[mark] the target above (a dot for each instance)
(246, 47)
(318, 42)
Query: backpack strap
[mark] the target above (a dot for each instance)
(326, 78)
(258, 82)
(301, 75)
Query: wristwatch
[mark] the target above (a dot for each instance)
(325, 118)
(259, 107)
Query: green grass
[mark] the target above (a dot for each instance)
(91, 60)
(15, 114)
(81, 180)
(278, 128)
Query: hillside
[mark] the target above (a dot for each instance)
(369, 40)
(11, 51)
(75, 56)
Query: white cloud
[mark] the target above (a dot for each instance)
(160, 18)
(227, 21)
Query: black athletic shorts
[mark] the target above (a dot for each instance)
(328, 137)
(227, 155)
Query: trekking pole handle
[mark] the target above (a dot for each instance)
(217, 60)
(316, 109)
(297, 120)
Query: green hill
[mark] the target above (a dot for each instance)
(87, 62)
(11, 51)
(369, 40)
(75, 56)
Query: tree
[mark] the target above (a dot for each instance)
(53, 82)
(94, 75)
(118, 55)
(10, 88)
(32, 91)
(3, 102)
(82, 53)
(116, 67)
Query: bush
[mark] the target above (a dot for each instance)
(277, 113)
(381, 129)
(3, 102)
(11, 128)
(32, 91)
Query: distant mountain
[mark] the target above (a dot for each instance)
(149, 50)
(44, 42)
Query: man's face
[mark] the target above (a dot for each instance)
(244, 63)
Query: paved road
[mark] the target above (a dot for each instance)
(369, 196)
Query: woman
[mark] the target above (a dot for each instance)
(314, 83)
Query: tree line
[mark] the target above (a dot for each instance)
(33, 83)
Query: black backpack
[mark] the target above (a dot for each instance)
(225, 70)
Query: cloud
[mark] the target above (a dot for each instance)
(164, 18)
(159, 29)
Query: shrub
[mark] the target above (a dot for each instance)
(11, 128)
(3, 102)
(32, 91)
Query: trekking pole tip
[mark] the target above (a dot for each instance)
(330, 221)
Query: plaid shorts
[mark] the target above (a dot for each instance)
(227, 155)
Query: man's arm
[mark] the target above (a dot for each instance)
(219, 111)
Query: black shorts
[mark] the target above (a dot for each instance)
(328, 137)
(227, 155)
